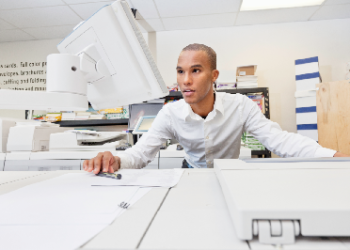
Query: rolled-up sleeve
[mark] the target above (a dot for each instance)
(282, 143)
(144, 151)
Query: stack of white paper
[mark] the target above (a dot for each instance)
(143, 178)
(61, 213)
(67, 211)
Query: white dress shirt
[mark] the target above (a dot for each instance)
(219, 135)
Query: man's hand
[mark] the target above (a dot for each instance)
(104, 162)
(338, 154)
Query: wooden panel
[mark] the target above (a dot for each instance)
(333, 115)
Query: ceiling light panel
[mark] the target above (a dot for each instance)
(277, 4)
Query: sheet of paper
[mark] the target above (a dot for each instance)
(60, 213)
(137, 196)
(66, 199)
(11, 176)
(143, 177)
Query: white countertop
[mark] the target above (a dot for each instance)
(192, 215)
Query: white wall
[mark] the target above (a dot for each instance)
(17, 52)
(273, 48)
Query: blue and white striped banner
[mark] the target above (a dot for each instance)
(306, 60)
(307, 73)
(307, 76)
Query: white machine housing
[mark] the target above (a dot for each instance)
(278, 201)
(106, 61)
(5, 125)
(31, 138)
(69, 141)
(120, 65)
(2, 161)
(65, 149)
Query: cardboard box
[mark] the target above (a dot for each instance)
(246, 70)
(333, 120)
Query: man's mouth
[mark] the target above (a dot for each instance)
(188, 92)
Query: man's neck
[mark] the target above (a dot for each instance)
(205, 106)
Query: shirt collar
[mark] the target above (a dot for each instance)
(218, 106)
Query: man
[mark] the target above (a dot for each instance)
(208, 125)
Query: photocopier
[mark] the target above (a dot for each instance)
(42, 146)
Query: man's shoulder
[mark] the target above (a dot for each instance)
(231, 98)
(175, 105)
(235, 102)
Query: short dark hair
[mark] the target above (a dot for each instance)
(201, 47)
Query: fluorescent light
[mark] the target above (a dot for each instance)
(277, 4)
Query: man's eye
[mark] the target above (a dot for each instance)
(196, 71)
(180, 71)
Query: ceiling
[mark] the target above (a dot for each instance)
(47, 19)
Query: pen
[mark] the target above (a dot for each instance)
(109, 175)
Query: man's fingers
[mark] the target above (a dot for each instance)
(91, 165)
(106, 162)
(97, 163)
(85, 165)
(111, 169)
(114, 164)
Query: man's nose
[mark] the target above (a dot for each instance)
(187, 79)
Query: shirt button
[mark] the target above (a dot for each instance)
(207, 137)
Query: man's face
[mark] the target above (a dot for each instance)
(195, 76)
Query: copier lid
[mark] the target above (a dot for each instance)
(317, 194)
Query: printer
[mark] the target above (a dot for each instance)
(25, 138)
(5, 125)
(31, 136)
(82, 140)
(50, 147)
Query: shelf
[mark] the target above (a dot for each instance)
(243, 91)
(230, 91)
(174, 94)
(102, 122)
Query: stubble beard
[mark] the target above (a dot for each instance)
(200, 98)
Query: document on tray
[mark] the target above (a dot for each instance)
(61, 213)
(142, 178)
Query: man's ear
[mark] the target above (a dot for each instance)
(215, 75)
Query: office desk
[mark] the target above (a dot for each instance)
(192, 215)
